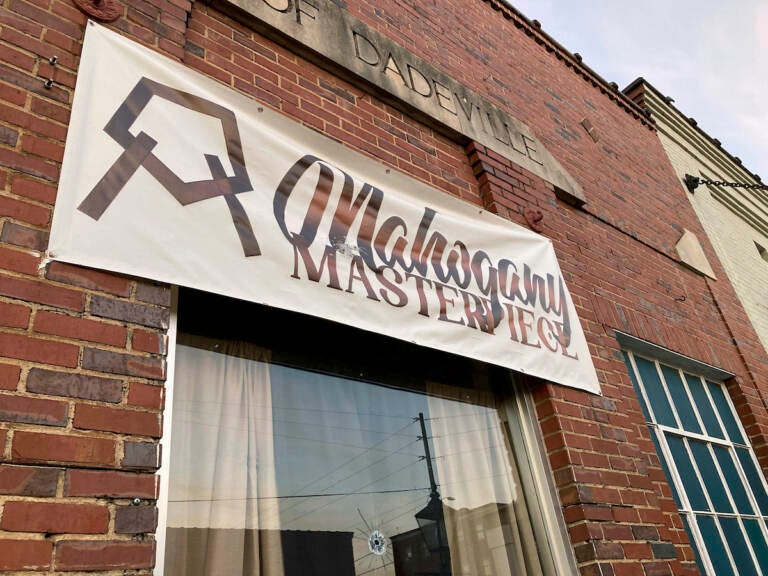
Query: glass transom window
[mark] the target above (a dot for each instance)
(716, 481)
(342, 454)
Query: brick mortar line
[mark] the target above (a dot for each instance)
(81, 401)
(81, 344)
(26, 199)
(70, 431)
(88, 292)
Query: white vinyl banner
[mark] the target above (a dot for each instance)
(170, 176)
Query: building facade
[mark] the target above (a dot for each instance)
(735, 219)
(485, 349)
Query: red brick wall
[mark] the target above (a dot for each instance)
(82, 368)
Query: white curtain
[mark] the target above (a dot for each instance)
(350, 460)
(486, 517)
(222, 511)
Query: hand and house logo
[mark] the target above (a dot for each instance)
(138, 151)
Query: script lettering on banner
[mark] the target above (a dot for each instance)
(173, 177)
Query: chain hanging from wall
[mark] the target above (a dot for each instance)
(692, 182)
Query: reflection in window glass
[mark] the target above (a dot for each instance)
(691, 485)
(754, 477)
(657, 397)
(278, 470)
(757, 540)
(738, 546)
(717, 553)
(704, 406)
(725, 412)
(692, 540)
(709, 476)
(638, 389)
(665, 467)
(680, 400)
(731, 475)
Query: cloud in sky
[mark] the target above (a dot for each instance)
(710, 56)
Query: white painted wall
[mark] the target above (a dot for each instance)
(732, 237)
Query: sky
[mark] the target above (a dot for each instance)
(710, 56)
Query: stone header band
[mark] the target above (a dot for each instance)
(332, 38)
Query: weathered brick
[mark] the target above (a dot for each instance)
(148, 341)
(9, 376)
(14, 315)
(597, 569)
(17, 58)
(61, 40)
(38, 350)
(54, 518)
(663, 550)
(31, 83)
(73, 555)
(33, 410)
(117, 420)
(52, 383)
(649, 533)
(19, 209)
(28, 480)
(42, 293)
(637, 550)
(8, 136)
(88, 278)
(33, 45)
(128, 364)
(48, 149)
(152, 293)
(79, 328)
(53, 111)
(64, 449)
(35, 190)
(25, 554)
(47, 19)
(135, 519)
(29, 165)
(111, 484)
(71, 13)
(31, 122)
(24, 236)
(13, 95)
(585, 552)
(144, 455)
(19, 261)
(130, 312)
(657, 569)
(146, 395)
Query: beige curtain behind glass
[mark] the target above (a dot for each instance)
(222, 511)
(487, 522)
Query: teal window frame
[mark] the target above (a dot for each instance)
(716, 480)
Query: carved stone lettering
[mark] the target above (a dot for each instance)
(325, 33)
(419, 83)
(366, 51)
(280, 5)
